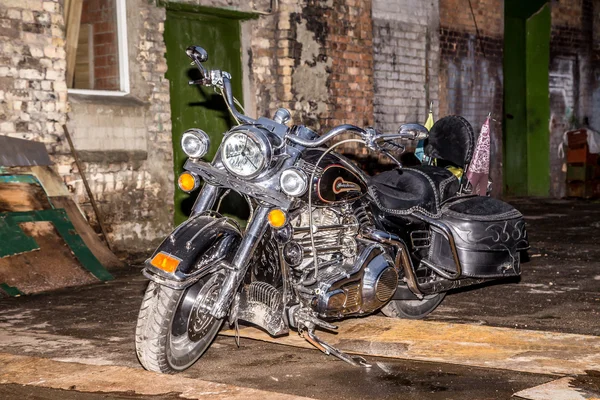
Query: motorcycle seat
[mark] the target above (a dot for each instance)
(424, 188)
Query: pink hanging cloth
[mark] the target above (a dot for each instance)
(479, 169)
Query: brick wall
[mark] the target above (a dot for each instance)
(101, 16)
(471, 70)
(574, 87)
(406, 53)
(33, 92)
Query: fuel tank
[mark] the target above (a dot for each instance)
(337, 179)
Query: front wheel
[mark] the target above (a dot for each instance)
(173, 328)
(413, 309)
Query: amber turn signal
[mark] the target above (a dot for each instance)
(187, 182)
(277, 218)
(165, 262)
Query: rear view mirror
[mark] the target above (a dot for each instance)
(414, 131)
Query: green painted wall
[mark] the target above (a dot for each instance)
(194, 106)
(526, 98)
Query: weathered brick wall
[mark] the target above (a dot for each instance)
(406, 55)
(101, 16)
(471, 70)
(315, 58)
(33, 92)
(574, 90)
(125, 143)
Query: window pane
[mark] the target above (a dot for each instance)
(97, 60)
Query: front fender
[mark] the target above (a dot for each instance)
(201, 244)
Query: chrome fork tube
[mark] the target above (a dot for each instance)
(206, 199)
(256, 229)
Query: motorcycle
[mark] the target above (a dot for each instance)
(325, 241)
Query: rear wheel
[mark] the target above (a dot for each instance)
(413, 309)
(174, 329)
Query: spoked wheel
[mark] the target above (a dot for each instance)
(413, 309)
(174, 328)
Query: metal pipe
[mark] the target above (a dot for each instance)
(328, 136)
(402, 257)
(322, 228)
(448, 234)
(87, 186)
(228, 94)
(205, 200)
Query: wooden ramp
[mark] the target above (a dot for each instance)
(45, 241)
(474, 345)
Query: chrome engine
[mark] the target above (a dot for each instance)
(355, 276)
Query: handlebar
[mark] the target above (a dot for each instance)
(215, 78)
(370, 135)
(372, 138)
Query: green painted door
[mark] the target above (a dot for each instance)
(526, 98)
(194, 106)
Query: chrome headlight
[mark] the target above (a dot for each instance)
(246, 153)
(293, 182)
(195, 143)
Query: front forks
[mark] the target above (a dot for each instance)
(238, 267)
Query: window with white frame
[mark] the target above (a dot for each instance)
(97, 47)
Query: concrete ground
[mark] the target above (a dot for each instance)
(93, 325)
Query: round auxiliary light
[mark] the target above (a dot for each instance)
(195, 143)
(293, 182)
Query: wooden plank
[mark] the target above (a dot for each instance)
(52, 267)
(90, 238)
(66, 9)
(73, 24)
(474, 345)
(83, 64)
(22, 197)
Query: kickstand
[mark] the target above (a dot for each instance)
(309, 335)
(237, 333)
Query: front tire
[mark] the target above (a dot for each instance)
(173, 331)
(413, 309)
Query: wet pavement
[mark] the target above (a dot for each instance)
(559, 291)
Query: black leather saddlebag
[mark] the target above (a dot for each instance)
(489, 235)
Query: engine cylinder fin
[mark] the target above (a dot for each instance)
(264, 293)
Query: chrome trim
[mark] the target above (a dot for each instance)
(219, 177)
(206, 199)
(444, 230)
(326, 137)
(234, 278)
(202, 137)
(402, 257)
(258, 137)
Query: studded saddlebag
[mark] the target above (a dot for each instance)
(489, 235)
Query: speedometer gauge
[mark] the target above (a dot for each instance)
(244, 154)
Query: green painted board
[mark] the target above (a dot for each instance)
(9, 225)
(19, 179)
(14, 240)
(10, 290)
(194, 106)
